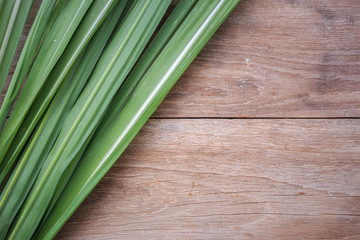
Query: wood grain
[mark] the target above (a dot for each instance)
(283, 58)
(230, 179)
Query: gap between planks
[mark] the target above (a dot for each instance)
(255, 118)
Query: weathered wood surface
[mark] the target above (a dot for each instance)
(230, 179)
(280, 58)
(247, 178)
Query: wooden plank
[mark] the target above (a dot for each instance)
(281, 58)
(230, 179)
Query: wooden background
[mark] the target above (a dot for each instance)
(260, 139)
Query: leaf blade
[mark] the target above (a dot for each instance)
(25, 122)
(48, 56)
(50, 126)
(26, 57)
(72, 137)
(153, 87)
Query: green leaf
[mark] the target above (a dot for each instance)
(148, 57)
(2, 2)
(28, 168)
(92, 20)
(26, 57)
(176, 56)
(80, 123)
(11, 34)
(56, 11)
(30, 163)
(6, 7)
(87, 62)
(49, 54)
(151, 53)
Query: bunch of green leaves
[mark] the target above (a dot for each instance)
(89, 89)
(14, 14)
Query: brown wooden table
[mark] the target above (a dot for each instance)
(260, 139)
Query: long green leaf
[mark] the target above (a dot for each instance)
(49, 54)
(128, 7)
(6, 7)
(69, 170)
(151, 53)
(2, 3)
(113, 66)
(26, 57)
(149, 56)
(28, 167)
(12, 35)
(189, 39)
(94, 17)
(88, 62)
(39, 147)
(59, 7)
